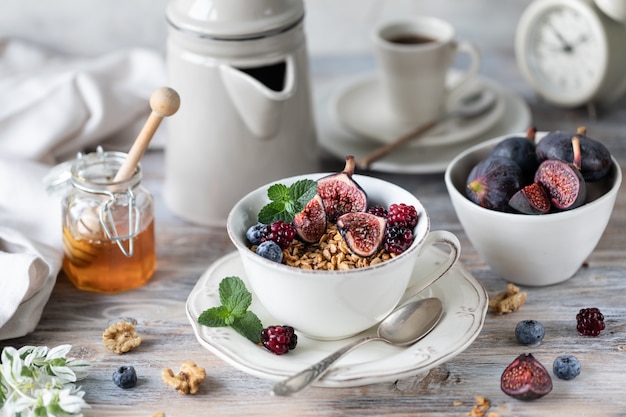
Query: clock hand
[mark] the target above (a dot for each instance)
(566, 46)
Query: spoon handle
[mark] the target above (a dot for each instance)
(378, 153)
(308, 376)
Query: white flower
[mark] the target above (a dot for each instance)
(37, 381)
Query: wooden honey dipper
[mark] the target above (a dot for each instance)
(164, 102)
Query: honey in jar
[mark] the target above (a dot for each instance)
(108, 226)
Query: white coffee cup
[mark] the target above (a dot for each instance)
(414, 56)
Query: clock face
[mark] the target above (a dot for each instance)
(563, 51)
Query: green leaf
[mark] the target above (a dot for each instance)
(286, 202)
(278, 193)
(233, 312)
(303, 191)
(272, 212)
(215, 317)
(234, 296)
(249, 326)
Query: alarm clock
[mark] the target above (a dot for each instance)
(571, 52)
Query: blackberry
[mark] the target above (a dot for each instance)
(402, 215)
(379, 211)
(270, 250)
(281, 233)
(397, 239)
(529, 332)
(256, 233)
(125, 377)
(590, 321)
(279, 339)
(566, 367)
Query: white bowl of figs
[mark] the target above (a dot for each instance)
(348, 254)
(535, 205)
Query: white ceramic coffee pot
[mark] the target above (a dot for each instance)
(241, 70)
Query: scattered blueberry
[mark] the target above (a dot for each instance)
(125, 377)
(566, 367)
(270, 250)
(255, 233)
(529, 332)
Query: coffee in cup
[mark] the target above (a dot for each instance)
(414, 56)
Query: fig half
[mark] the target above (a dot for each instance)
(340, 193)
(532, 199)
(310, 223)
(526, 378)
(363, 232)
(564, 181)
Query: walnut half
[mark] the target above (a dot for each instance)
(188, 380)
(121, 337)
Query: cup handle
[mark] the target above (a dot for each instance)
(475, 60)
(437, 237)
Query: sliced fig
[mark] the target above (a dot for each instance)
(363, 232)
(532, 199)
(564, 181)
(493, 181)
(310, 223)
(340, 193)
(596, 161)
(526, 378)
(521, 149)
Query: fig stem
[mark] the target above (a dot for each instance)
(581, 130)
(577, 153)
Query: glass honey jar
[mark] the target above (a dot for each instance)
(108, 226)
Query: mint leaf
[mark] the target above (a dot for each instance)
(235, 299)
(278, 193)
(249, 326)
(234, 296)
(215, 317)
(286, 202)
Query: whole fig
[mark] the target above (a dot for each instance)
(363, 232)
(340, 193)
(526, 378)
(564, 181)
(596, 158)
(521, 149)
(493, 181)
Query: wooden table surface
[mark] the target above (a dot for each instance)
(186, 250)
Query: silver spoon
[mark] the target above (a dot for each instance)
(472, 105)
(403, 327)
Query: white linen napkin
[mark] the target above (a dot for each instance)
(51, 107)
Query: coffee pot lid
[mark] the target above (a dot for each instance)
(234, 19)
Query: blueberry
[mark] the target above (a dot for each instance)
(125, 377)
(270, 250)
(255, 233)
(566, 367)
(529, 332)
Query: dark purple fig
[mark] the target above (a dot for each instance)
(521, 150)
(493, 181)
(563, 181)
(532, 199)
(310, 223)
(340, 193)
(363, 232)
(596, 158)
(526, 378)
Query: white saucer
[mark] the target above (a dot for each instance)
(340, 142)
(361, 108)
(465, 305)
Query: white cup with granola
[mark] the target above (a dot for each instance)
(345, 261)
